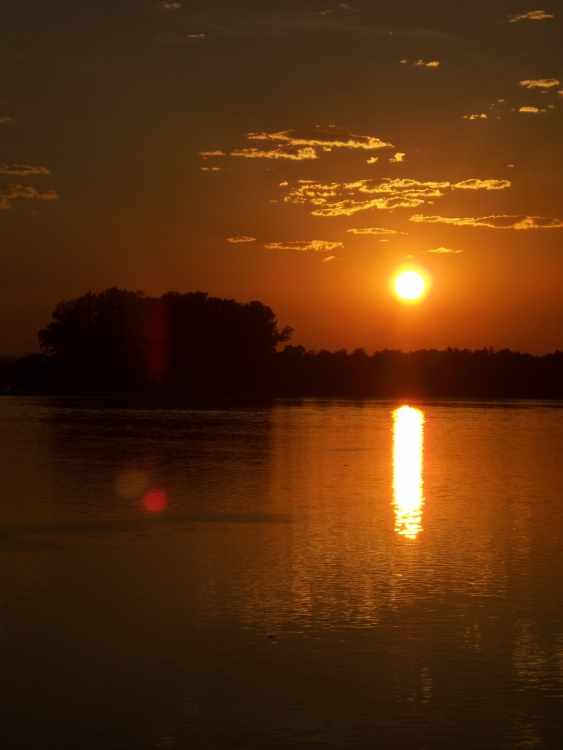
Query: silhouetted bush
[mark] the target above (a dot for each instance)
(122, 341)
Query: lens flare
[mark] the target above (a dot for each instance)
(408, 437)
(409, 285)
(155, 501)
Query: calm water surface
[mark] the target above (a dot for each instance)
(325, 574)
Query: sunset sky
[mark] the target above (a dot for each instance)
(299, 152)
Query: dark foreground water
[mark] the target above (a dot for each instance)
(324, 575)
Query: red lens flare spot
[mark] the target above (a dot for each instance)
(155, 500)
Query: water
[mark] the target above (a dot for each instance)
(326, 574)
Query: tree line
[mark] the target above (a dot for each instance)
(122, 342)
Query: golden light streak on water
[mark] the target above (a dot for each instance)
(408, 498)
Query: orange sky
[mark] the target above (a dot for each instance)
(345, 138)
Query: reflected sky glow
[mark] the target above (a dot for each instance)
(407, 470)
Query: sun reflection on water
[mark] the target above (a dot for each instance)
(408, 435)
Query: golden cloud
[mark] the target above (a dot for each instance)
(170, 6)
(205, 154)
(279, 153)
(528, 109)
(241, 238)
(374, 159)
(533, 15)
(431, 64)
(482, 184)
(540, 83)
(346, 199)
(374, 230)
(311, 246)
(330, 257)
(10, 192)
(501, 221)
(421, 63)
(331, 137)
(398, 158)
(21, 169)
(475, 117)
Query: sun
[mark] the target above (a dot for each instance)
(409, 285)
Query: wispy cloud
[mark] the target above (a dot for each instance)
(533, 15)
(374, 230)
(346, 199)
(5, 120)
(444, 251)
(422, 64)
(374, 159)
(326, 138)
(241, 238)
(342, 8)
(540, 83)
(211, 169)
(279, 153)
(502, 221)
(533, 110)
(475, 184)
(398, 158)
(195, 36)
(170, 6)
(311, 246)
(330, 257)
(10, 192)
(205, 154)
(21, 169)
(475, 117)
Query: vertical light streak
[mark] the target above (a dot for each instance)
(408, 437)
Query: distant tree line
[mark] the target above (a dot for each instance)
(120, 341)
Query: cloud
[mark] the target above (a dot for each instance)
(482, 184)
(317, 136)
(195, 36)
(397, 159)
(502, 221)
(4, 120)
(12, 191)
(444, 250)
(374, 159)
(205, 154)
(330, 257)
(533, 15)
(312, 246)
(170, 6)
(342, 8)
(374, 230)
(540, 83)
(475, 117)
(528, 109)
(211, 169)
(346, 199)
(421, 63)
(21, 169)
(241, 238)
(279, 153)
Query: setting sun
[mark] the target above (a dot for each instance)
(409, 285)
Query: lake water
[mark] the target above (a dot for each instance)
(308, 574)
